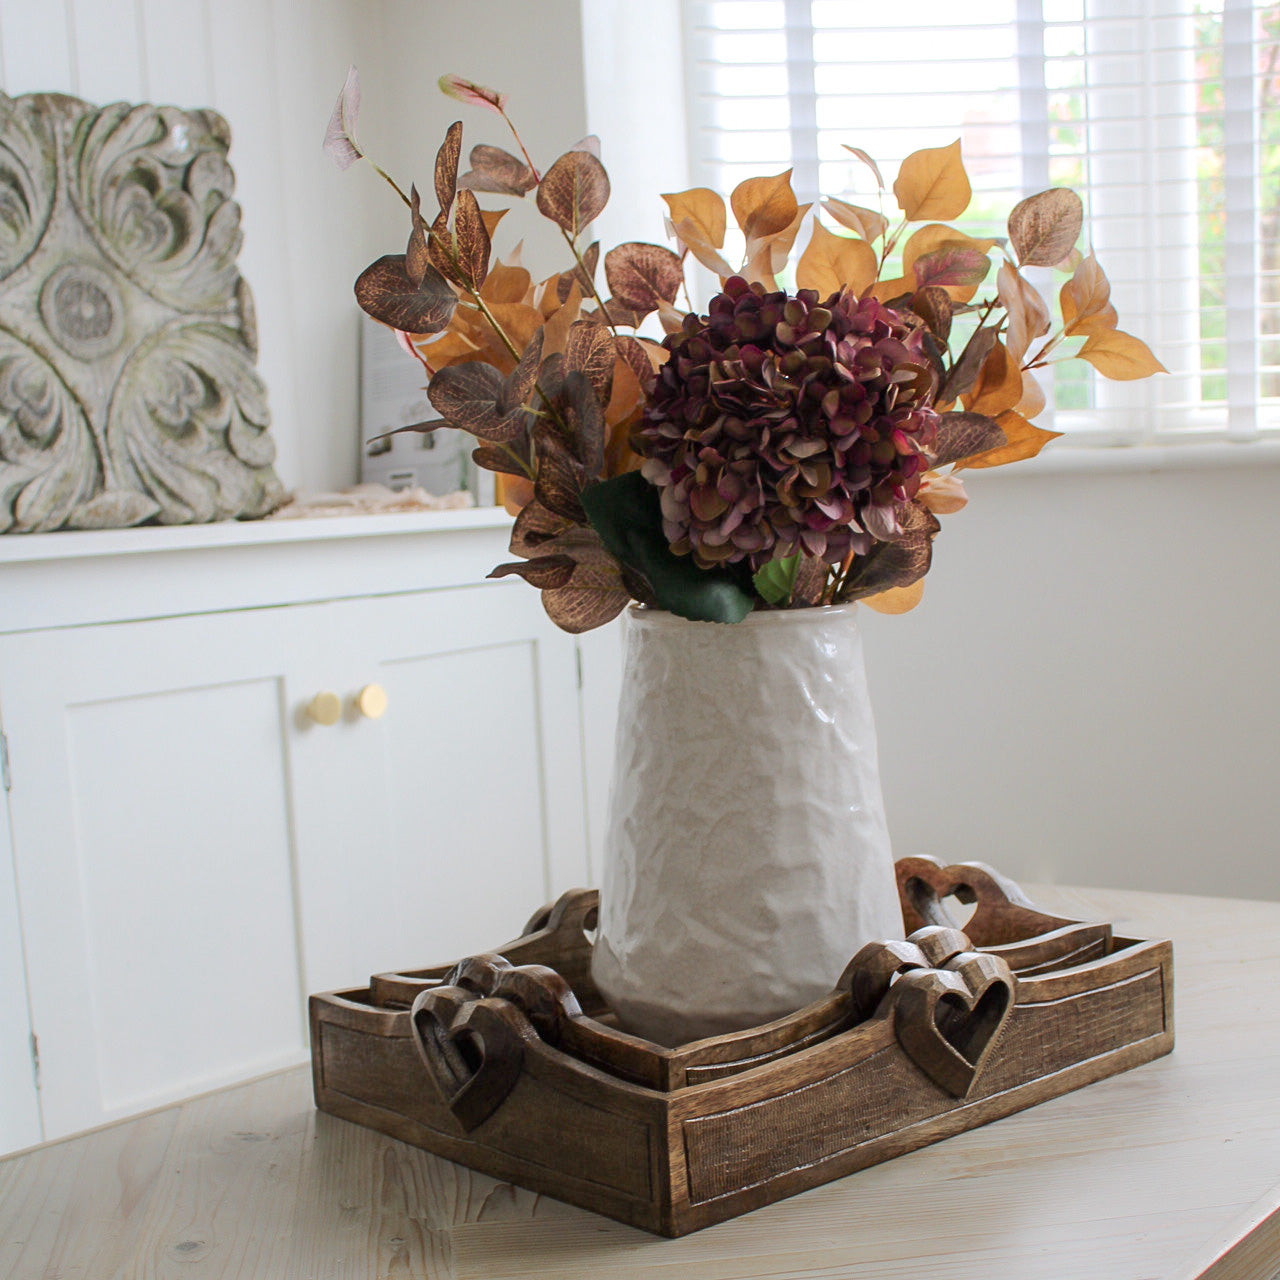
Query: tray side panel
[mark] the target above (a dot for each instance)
(752, 1150)
(544, 1136)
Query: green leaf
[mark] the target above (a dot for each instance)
(627, 514)
(777, 580)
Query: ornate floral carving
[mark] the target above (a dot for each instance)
(127, 340)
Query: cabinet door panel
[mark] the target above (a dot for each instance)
(154, 855)
(478, 771)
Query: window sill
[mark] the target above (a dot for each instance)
(1063, 459)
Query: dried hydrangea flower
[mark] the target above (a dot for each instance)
(781, 424)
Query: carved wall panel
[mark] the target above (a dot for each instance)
(128, 392)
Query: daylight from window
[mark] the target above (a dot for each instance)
(1163, 114)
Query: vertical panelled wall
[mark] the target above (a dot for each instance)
(273, 69)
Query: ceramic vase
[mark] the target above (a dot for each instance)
(747, 856)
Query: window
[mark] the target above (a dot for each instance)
(1163, 114)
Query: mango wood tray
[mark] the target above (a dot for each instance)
(511, 1063)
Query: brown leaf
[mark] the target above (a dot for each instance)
(641, 276)
(937, 235)
(385, 291)
(764, 206)
(869, 224)
(1024, 441)
(585, 278)
(520, 382)
(1120, 356)
(613, 312)
(467, 396)
(496, 170)
(561, 478)
(831, 262)
(1033, 398)
(596, 593)
(894, 564)
(633, 351)
(1026, 309)
(472, 240)
(446, 171)
(574, 191)
(888, 291)
(703, 210)
(491, 458)
(964, 373)
(932, 184)
(584, 414)
(589, 349)
(1044, 228)
(519, 321)
(416, 255)
(951, 264)
(933, 305)
(440, 246)
(534, 527)
(811, 580)
(999, 383)
(545, 571)
(961, 435)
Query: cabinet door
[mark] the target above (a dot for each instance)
(474, 780)
(154, 853)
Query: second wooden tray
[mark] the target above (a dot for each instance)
(511, 1063)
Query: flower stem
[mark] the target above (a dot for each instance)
(586, 275)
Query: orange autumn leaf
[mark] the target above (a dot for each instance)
(999, 384)
(505, 283)
(764, 206)
(1025, 440)
(703, 209)
(830, 262)
(932, 184)
(491, 218)
(556, 329)
(896, 599)
(1086, 299)
(943, 495)
(1120, 356)
(690, 235)
(869, 224)
(887, 290)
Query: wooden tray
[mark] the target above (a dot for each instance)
(510, 1062)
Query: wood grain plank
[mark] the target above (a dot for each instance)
(230, 1187)
(77, 1208)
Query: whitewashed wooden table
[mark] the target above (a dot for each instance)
(1170, 1171)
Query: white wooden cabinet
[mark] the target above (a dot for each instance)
(192, 853)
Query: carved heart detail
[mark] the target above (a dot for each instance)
(472, 1049)
(948, 1021)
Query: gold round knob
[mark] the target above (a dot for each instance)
(325, 708)
(371, 701)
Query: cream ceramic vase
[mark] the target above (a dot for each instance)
(747, 857)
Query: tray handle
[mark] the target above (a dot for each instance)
(949, 1003)
(1003, 913)
(471, 1031)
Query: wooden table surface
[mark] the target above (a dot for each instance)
(1171, 1170)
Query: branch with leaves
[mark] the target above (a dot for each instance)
(784, 451)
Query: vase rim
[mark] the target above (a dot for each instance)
(646, 615)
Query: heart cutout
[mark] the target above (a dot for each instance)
(471, 1051)
(948, 1021)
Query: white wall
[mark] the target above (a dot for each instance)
(1090, 690)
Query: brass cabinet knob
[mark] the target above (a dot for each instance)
(325, 708)
(371, 701)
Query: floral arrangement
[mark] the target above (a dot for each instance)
(781, 451)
